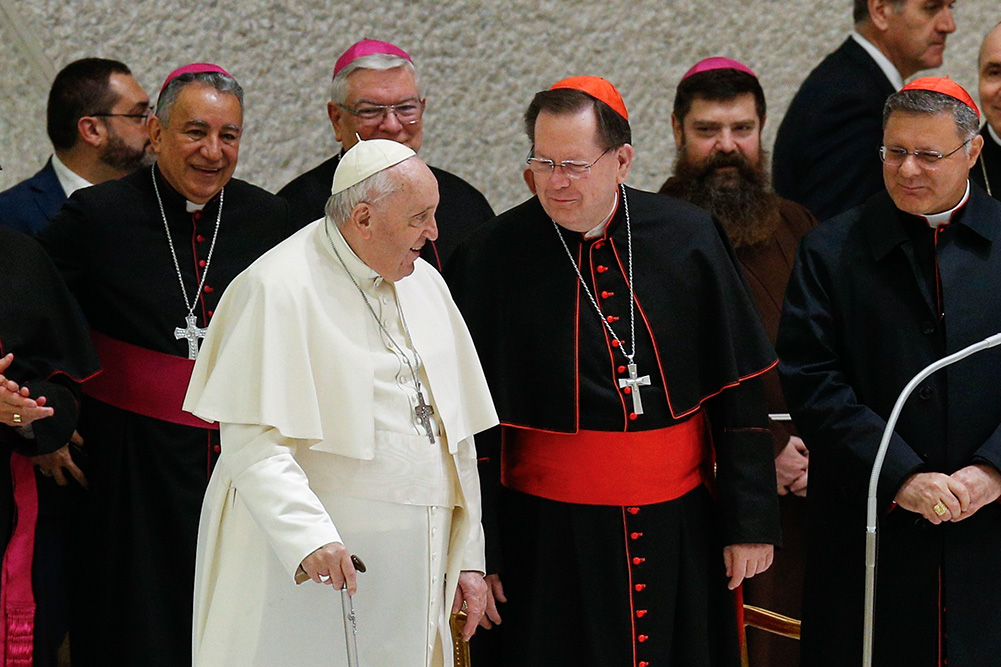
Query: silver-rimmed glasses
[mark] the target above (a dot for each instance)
(895, 157)
(408, 112)
(572, 168)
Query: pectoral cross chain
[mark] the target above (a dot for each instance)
(192, 332)
(423, 411)
(634, 383)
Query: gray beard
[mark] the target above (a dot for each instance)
(743, 201)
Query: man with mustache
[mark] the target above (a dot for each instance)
(826, 152)
(148, 258)
(719, 113)
(96, 119)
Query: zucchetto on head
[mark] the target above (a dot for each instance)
(598, 88)
(368, 47)
(945, 86)
(366, 158)
(718, 62)
(193, 68)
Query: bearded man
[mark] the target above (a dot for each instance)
(719, 113)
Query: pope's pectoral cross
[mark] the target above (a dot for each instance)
(423, 411)
(192, 332)
(634, 383)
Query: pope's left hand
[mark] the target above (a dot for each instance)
(472, 590)
(743, 561)
(983, 482)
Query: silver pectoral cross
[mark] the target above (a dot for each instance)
(192, 332)
(634, 384)
(423, 411)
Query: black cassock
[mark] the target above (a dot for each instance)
(136, 530)
(42, 325)
(601, 584)
(460, 210)
(989, 164)
(875, 296)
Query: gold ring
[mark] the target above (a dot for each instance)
(17, 418)
(939, 509)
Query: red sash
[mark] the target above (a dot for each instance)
(148, 383)
(17, 600)
(606, 467)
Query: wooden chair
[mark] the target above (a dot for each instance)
(769, 621)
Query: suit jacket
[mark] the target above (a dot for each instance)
(861, 318)
(990, 161)
(827, 150)
(32, 204)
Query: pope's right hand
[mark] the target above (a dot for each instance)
(331, 564)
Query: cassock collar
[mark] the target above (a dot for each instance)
(889, 69)
(172, 199)
(945, 217)
(993, 134)
(363, 273)
(600, 229)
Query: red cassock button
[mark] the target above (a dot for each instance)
(640, 613)
(633, 510)
(627, 390)
(606, 294)
(642, 638)
(644, 663)
(200, 238)
(621, 369)
(211, 313)
(638, 560)
(216, 448)
(599, 245)
(197, 215)
(602, 269)
(615, 343)
(201, 263)
(639, 587)
(632, 415)
(209, 289)
(613, 318)
(635, 536)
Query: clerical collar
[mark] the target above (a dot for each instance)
(600, 229)
(994, 135)
(945, 217)
(362, 272)
(889, 69)
(68, 179)
(191, 206)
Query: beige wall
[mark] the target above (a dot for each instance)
(482, 62)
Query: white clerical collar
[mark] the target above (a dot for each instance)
(68, 179)
(994, 135)
(600, 229)
(889, 69)
(191, 206)
(354, 264)
(945, 217)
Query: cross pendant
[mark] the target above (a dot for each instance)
(192, 332)
(423, 411)
(634, 384)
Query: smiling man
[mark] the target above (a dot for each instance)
(377, 93)
(876, 295)
(346, 457)
(826, 148)
(987, 173)
(148, 258)
(622, 349)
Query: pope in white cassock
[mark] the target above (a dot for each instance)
(348, 392)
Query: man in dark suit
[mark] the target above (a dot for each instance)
(987, 173)
(376, 93)
(877, 294)
(826, 150)
(96, 119)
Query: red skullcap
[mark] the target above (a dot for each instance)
(598, 88)
(945, 86)
(368, 47)
(193, 68)
(718, 62)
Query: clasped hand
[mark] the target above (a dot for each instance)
(960, 494)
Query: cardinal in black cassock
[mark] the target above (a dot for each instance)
(611, 521)
(125, 248)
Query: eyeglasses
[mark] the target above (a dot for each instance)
(408, 112)
(572, 168)
(143, 116)
(927, 159)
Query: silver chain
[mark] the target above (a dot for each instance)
(406, 329)
(170, 242)
(587, 290)
(983, 166)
